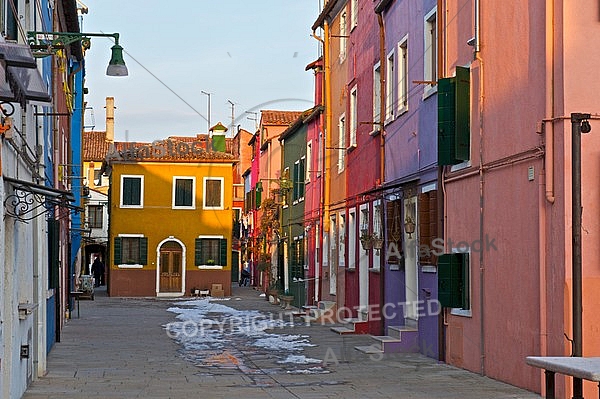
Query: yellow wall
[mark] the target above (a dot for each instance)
(157, 220)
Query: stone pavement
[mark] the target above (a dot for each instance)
(119, 348)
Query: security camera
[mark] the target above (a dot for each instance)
(585, 127)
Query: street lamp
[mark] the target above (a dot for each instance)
(47, 43)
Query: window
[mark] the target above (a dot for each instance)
(320, 154)
(352, 239)
(131, 250)
(376, 93)
(377, 234)
(94, 216)
(343, 34)
(342, 240)
(98, 177)
(213, 193)
(453, 280)
(211, 252)
(297, 259)
(132, 191)
(299, 178)
(353, 14)
(183, 192)
(390, 92)
(341, 143)
(353, 116)
(309, 166)
(430, 73)
(403, 76)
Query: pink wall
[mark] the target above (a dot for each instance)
(527, 279)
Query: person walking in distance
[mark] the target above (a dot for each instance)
(245, 277)
(98, 272)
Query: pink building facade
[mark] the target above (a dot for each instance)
(509, 202)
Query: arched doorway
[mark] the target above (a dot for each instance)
(171, 263)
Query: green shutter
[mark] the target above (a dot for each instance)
(463, 114)
(454, 113)
(144, 250)
(258, 198)
(446, 121)
(132, 191)
(465, 297)
(302, 177)
(53, 253)
(198, 252)
(450, 280)
(117, 251)
(223, 252)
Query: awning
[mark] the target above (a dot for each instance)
(17, 55)
(20, 79)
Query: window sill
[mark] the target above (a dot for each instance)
(375, 132)
(210, 267)
(460, 166)
(461, 312)
(127, 266)
(351, 148)
(375, 270)
(132, 206)
(429, 91)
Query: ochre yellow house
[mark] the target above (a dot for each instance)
(171, 219)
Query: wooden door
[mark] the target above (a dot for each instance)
(170, 267)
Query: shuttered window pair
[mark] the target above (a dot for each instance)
(210, 252)
(130, 251)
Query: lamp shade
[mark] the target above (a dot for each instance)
(116, 66)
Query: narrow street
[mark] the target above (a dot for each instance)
(233, 347)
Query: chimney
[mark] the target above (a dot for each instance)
(110, 119)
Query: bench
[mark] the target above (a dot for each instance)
(585, 368)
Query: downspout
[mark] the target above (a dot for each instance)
(481, 188)
(382, 155)
(319, 229)
(441, 198)
(546, 181)
(549, 121)
(327, 156)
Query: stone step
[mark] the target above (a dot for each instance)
(396, 331)
(342, 330)
(369, 349)
(404, 340)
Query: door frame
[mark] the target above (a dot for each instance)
(183, 271)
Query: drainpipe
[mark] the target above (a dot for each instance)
(382, 155)
(477, 48)
(549, 125)
(317, 233)
(328, 124)
(546, 192)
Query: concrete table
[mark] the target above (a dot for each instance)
(586, 368)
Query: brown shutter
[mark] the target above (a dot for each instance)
(427, 206)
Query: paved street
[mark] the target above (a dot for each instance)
(122, 348)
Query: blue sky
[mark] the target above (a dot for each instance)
(248, 52)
